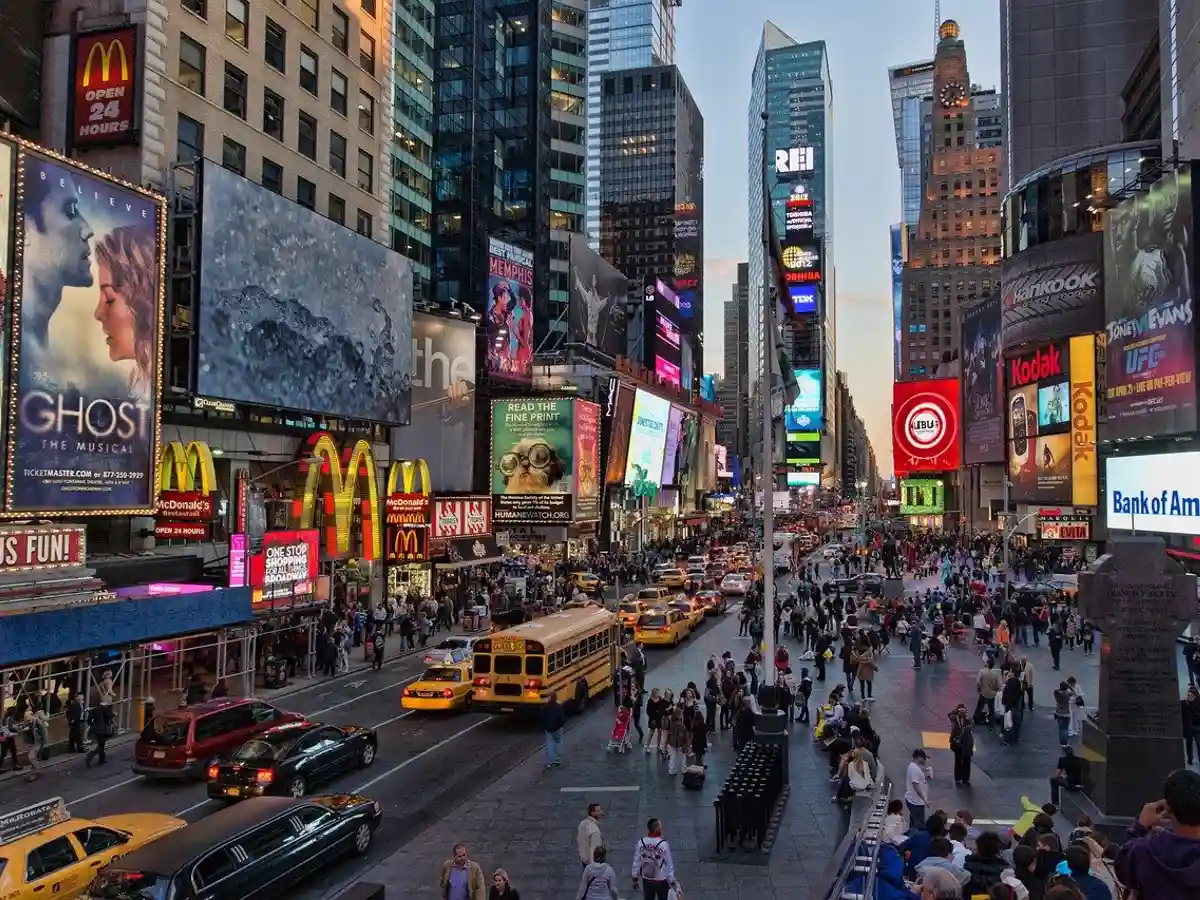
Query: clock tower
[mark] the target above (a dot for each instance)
(953, 121)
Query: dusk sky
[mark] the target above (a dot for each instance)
(717, 42)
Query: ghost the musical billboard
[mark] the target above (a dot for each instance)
(88, 344)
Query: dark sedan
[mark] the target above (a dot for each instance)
(288, 760)
(872, 585)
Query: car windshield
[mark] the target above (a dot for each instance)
(442, 674)
(628, 607)
(451, 644)
(266, 747)
(681, 605)
(655, 621)
(167, 731)
(648, 594)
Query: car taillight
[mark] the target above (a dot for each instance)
(213, 771)
(665, 628)
(448, 694)
(533, 684)
(483, 681)
(264, 776)
(408, 692)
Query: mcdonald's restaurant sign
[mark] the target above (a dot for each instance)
(105, 75)
(406, 505)
(187, 485)
(346, 485)
(407, 543)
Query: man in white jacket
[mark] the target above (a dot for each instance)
(588, 836)
(653, 868)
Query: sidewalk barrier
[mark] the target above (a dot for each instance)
(851, 875)
(744, 806)
(363, 890)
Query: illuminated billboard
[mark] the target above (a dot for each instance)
(509, 312)
(805, 413)
(922, 496)
(647, 443)
(664, 335)
(104, 77)
(533, 461)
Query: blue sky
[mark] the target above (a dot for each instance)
(717, 41)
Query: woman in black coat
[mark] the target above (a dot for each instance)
(962, 743)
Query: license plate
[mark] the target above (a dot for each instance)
(426, 694)
(233, 792)
(160, 754)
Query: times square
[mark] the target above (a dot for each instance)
(364, 486)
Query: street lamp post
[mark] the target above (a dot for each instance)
(1007, 532)
(768, 456)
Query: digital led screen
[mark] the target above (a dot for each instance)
(671, 448)
(803, 479)
(664, 331)
(803, 298)
(805, 413)
(647, 443)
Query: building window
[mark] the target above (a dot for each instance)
(308, 70)
(366, 52)
(367, 6)
(366, 171)
(341, 31)
(275, 45)
(337, 154)
(272, 177)
(306, 193)
(306, 135)
(310, 13)
(189, 140)
(337, 209)
(237, 22)
(339, 89)
(199, 7)
(236, 90)
(272, 114)
(366, 112)
(192, 63)
(233, 156)
(365, 224)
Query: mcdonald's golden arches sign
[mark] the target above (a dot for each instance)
(339, 482)
(105, 76)
(187, 499)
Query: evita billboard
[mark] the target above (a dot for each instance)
(1051, 410)
(1149, 270)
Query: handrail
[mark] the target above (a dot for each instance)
(858, 853)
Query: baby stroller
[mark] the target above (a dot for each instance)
(620, 732)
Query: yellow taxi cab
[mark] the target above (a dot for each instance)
(671, 577)
(586, 582)
(442, 687)
(661, 625)
(628, 611)
(692, 609)
(46, 853)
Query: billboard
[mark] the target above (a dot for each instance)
(922, 496)
(87, 348)
(347, 487)
(803, 299)
(982, 383)
(509, 312)
(598, 296)
(805, 413)
(441, 426)
(647, 443)
(801, 263)
(1053, 290)
(297, 311)
(1039, 413)
(671, 446)
(664, 335)
(287, 565)
(688, 268)
(187, 500)
(897, 248)
(1154, 493)
(533, 461)
(620, 415)
(723, 470)
(1085, 475)
(1148, 275)
(458, 517)
(1056, 525)
(587, 461)
(925, 426)
(8, 160)
(105, 80)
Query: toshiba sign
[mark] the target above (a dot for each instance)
(1053, 290)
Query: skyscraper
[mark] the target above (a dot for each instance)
(621, 34)
(792, 86)
(910, 84)
(954, 252)
(412, 139)
(732, 389)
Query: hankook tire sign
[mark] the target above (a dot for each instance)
(1053, 290)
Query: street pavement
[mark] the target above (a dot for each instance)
(442, 779)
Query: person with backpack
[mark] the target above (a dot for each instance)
(653, 867)
(377, 649)
(599, 881)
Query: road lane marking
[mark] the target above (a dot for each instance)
(379, 725)
(111, 787)
(607, 789)
(188, 809)
(412, 759)
(387, 687)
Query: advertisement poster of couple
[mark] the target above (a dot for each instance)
(90, 341)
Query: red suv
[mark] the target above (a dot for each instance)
(179, 743)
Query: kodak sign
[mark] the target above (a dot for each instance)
(187, 492)
(1038, 366)
(104, 84)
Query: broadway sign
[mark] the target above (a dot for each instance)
(38, 548)
(104, 84)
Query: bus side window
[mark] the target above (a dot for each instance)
(482, 663)
(591, 645)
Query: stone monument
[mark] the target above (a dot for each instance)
(1142, 600)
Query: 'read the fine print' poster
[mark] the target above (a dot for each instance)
(85, 435)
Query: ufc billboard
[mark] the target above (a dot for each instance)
(105, 86)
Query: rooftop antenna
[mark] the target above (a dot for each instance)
(937, 21)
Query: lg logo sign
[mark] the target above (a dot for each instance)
(794, 161)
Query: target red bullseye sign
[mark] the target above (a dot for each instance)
(925, 426)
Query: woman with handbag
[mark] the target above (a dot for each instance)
(1075, 720)
(864, 658)
(962, 743)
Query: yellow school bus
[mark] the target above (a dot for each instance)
(572, 654)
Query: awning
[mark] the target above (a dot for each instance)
(467, 563)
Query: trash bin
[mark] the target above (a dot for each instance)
(275, 672)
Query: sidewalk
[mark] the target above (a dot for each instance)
(393, 653)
